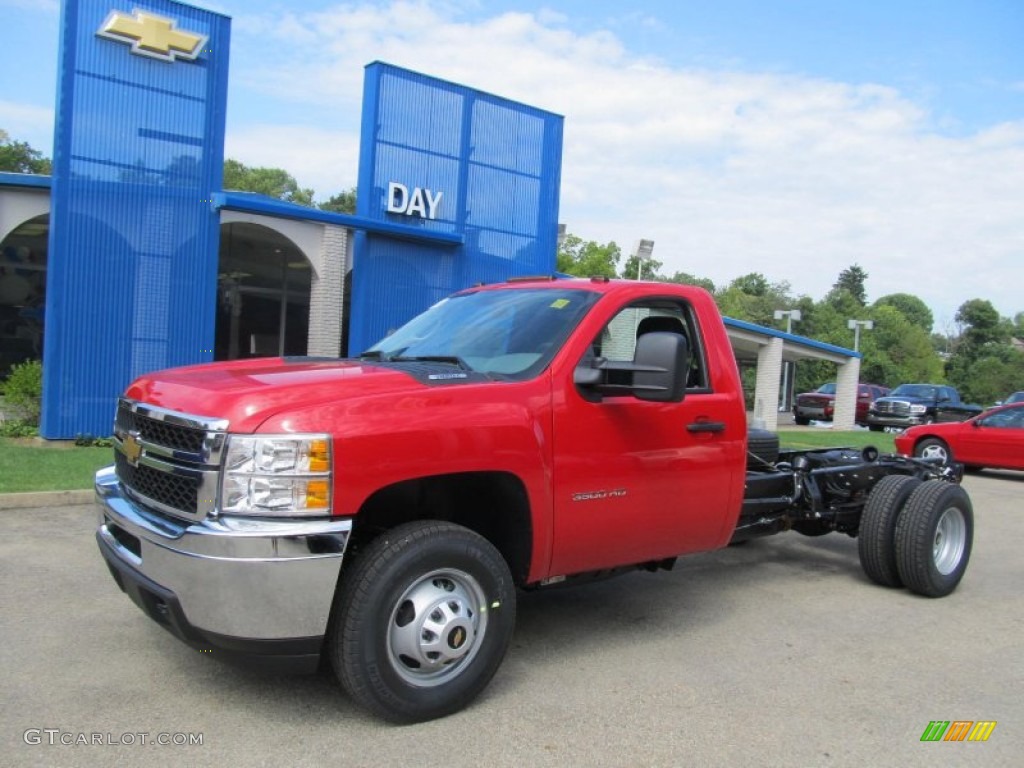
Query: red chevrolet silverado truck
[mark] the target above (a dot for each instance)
(380, 513)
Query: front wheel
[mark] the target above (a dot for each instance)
(934, 535)
(423, 620)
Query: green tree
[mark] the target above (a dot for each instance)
(915, 310)
(990, 377)
(651, 269)
(752, 284)
(19, 157)
(853, 279)
(753, 299)
(898, 351)
(982, 326)
(587, 258)
(343, 202)
(272, 182)
(685, 278)
(984, 366)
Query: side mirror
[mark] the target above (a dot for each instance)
(661, 364)
(657, 373)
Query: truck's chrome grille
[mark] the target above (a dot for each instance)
(168, 490)
(894, 407)
(167, 460)
(163, 433)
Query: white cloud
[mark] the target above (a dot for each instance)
(728, 171)
(29, 123)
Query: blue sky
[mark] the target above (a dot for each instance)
(792, 138)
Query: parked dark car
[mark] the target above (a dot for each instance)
(820, 404)
(994, 439)
(911, 404)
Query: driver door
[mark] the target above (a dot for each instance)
(636, 481)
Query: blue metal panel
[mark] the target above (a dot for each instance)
(496, 165)
(138, 154)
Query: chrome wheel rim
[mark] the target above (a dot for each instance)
(436, 627)
(935, 452)
(950, 540)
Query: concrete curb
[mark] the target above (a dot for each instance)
(45, 499)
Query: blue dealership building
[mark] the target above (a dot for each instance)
(132, 257)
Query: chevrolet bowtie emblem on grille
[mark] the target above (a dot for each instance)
(131, 448)
(150, 35)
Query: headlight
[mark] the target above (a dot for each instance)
(277, 475)
(918, 408)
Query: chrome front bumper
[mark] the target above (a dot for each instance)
(253, 585)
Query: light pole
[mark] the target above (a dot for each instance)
(790, 315)
(855, 326)
(642, 251)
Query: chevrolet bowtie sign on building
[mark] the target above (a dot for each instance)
(138, 152)
(152, 35)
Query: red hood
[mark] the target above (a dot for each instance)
(247, 392)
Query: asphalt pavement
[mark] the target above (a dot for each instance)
(776, 653)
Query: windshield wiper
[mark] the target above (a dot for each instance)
(450, 359)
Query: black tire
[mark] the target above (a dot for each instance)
(762, 448)
(934, 535)
(423, 619)
(876, 539)
(934, 448)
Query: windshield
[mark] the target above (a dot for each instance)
(512, 333)
(922, 391)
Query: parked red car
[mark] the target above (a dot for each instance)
(992, 439)
(820, 404)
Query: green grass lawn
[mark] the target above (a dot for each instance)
(801, 439)
(37, 466)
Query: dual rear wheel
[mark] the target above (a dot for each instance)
(916, 534)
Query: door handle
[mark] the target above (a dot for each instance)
(706, 426)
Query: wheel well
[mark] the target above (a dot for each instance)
(934, 438)
(493, 504)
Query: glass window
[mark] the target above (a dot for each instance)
(510, 333)
(617, 342)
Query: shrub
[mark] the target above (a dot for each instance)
(17, 428)
(23, 389)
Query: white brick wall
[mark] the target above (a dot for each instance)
(325, 300)
(847, 376)
(766, 390)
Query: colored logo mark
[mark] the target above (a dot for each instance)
(150, 35)
(958, 730)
